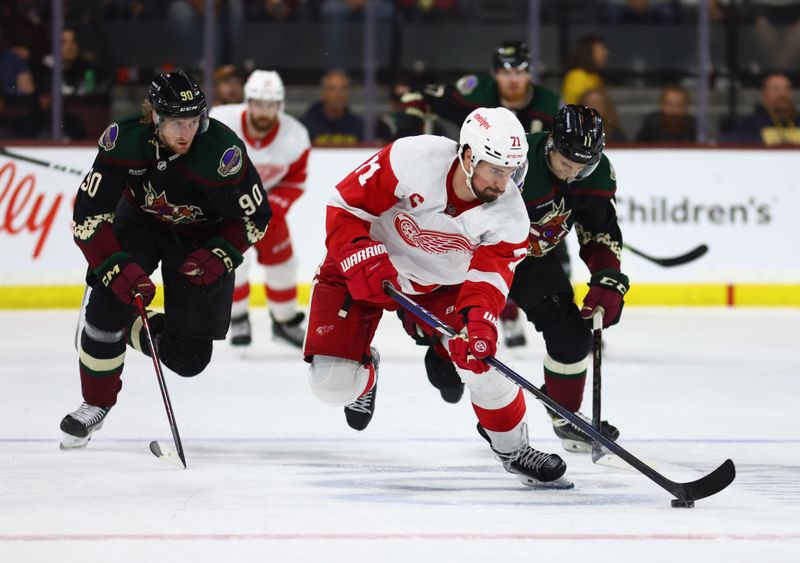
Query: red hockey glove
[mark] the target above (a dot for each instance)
(206, 265)
(476, 342)
(125, 278)
(607, 289)
(281, 199)
(366, 265)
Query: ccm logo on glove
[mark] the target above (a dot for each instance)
(126, 278)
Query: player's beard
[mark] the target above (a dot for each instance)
(487, 195)
(262, 125)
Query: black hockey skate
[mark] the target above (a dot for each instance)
(574, 440)
(241, 334)
(79, 425)
(533, 468)
(292, 332)
(359, 412)
(442, 375)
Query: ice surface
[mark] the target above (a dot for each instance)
(275, 475)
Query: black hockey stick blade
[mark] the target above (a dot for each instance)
(690, 256)
(704, 487)
(165, 452)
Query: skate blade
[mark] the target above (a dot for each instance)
(575, 446)
(167, 453)
(560, 483)
(69, 442)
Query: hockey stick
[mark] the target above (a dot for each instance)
(51, 165)
(164, 452)
(675, 260)
(597, 358)
(685, 493)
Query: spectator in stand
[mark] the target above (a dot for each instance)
(598, 98)
(643, 12)
(228, 85)
(775, 120)
(15, 76)
(587, 60)
(672, 122)
(338, 13)
(134, 9)
(6, 126)
(37, 123)
(273, 10)
(330, 121)
(428, 10)
(79, 77)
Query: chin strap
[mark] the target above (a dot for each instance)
(468, 174)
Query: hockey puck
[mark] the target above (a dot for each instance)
(680, 503)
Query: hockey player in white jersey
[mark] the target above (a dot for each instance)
(278, 145)
(446, 224)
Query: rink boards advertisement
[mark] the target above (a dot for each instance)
(740, 204)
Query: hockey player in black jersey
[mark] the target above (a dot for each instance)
(169, 187)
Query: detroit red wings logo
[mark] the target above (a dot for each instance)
(432, 242)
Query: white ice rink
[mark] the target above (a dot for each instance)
(275, 475)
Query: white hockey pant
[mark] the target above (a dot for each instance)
(337, 381)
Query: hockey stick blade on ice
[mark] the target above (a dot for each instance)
(158, 450)
(704, 487)
(167, 453)
(690, 256)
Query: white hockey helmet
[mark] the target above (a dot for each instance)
(496, 136)
(265, 85)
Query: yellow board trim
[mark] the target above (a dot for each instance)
(683, 295)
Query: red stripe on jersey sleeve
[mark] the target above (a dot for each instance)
(100, 246)
(499, 258)
(295, 177)
(598, 257)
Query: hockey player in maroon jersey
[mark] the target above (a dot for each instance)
(570, 183)
(445, 223)
(169, 187)
(278, 146)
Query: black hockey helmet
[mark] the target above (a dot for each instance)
(578, 134)
(512, 55)
(176, 94)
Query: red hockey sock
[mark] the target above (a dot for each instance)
(502, 419)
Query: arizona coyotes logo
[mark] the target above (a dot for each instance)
(159, 205)
(432, 242)
(546, 233)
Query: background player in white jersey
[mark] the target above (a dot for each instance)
(278, 145)
(445, 223)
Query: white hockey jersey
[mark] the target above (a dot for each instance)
(403, 197)
(281, 158)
